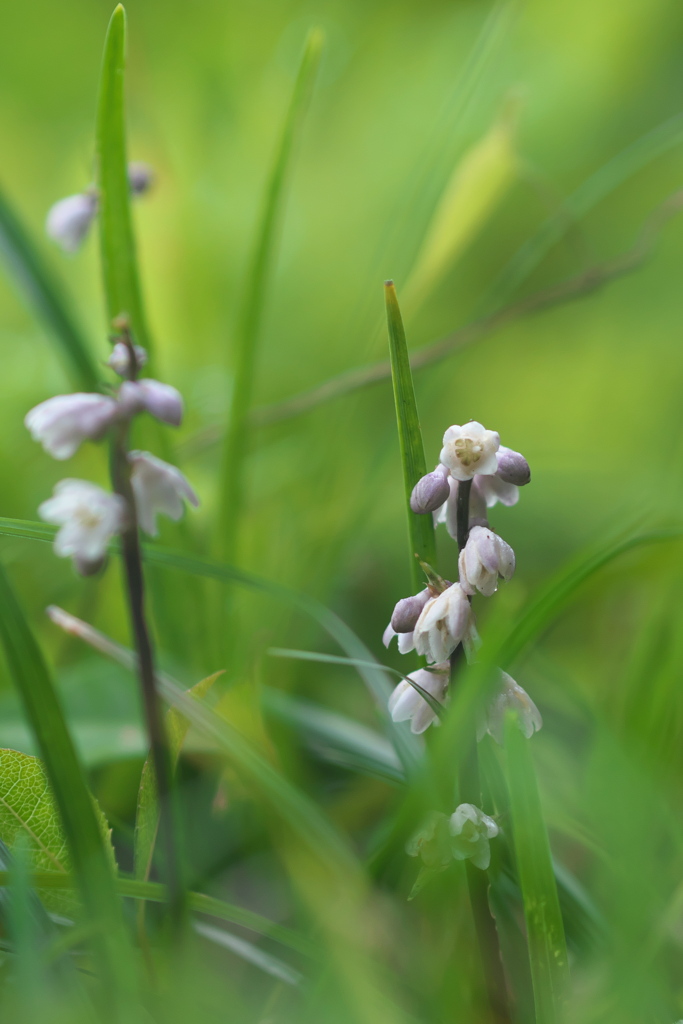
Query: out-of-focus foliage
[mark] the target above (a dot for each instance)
(588, 390)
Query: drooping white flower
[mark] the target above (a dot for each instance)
(432, 842)
(161, 400)
(484, 558)
(69, 220)
(88, 516)
(443, 624)
(491, 489)
(406, 703)
(62, 423)
(510, 697)
(448, 513)
(406, 643)
(470, 450)
(471, 831)
(119, 360)
(158, 487)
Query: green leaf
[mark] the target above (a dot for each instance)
(82, 827)
(147, 817)
(254, 302)
(420, 528)
(117, 240)
(27, 808)
(545, 929)
(45, 297)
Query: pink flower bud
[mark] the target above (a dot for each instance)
(164, 402)
(512, 467)
(69, 220)
(408, 610)
(119, 360)
(430, 491)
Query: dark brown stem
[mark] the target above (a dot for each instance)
(470, 792)
(132, 561)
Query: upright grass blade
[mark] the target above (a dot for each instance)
(420, 528)
(92, 868)
(545, 929)
(117, 241)
(253, 305)
(44, 297)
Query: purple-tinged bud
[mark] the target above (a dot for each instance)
(408, 610)
(140, 177)
(161, 400)
(119, 360)
(430, 491)
(512, 467)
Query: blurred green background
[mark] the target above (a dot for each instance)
(588, 390)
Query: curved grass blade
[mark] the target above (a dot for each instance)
(92, 867)
(117, 240)
(248, 951)
(420, 528)
(592, 191)
(545, 929)
(44, 297)
(249, 324)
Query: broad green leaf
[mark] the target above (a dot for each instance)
(478, 183)
(545, 929)
(117, 240)
(255, 298)
(147, 817)
(82, 827)
(420, 528)
(27, 808)
(45, 297)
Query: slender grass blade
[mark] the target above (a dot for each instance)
(44, 296)
(117, 240)
(420, 528)
(545, 929)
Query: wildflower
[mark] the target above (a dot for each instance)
(88, 516)
(161, 400)
(69, 220)
(470, 831)
(511, 697)
(512, 467)
(407, 703)
(406, 642)
(158, 488)
(448, 513)
(407, 611)
(430, 491)
(140, 177)
(484, 558)
(470, 450)
(432, 842)
(119, 360)
(492, 489)
(443, 624)
(62, 423)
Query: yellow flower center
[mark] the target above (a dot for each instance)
(468, 451)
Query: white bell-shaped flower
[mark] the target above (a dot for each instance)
(406, 643)
(470, 450)
(491, 489)
(510, 697)
(69, 220)
(158, 487)
(471, 831)
(62, 423)
(88, 516)
(162, 401)
(484, 559)
(119, 360)
(406, 703)
(444, 622)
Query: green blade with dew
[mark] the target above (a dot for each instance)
(92, 867)
(255, 298)
(420, 527)
(117, 240)
(44, 296)
(545, 928)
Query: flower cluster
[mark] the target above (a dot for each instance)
(87, 515)
(438, 619)
(464, 835)
(68, 220)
